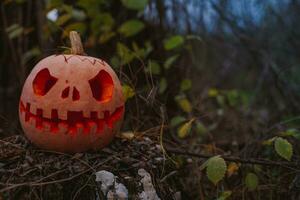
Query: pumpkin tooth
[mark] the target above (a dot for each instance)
(47, 113)
(86, 114)
(100, 115)
(63, 114)
(32, 121)
(33, 109)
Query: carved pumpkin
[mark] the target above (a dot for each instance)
(71, 103)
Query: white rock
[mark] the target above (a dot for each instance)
(110, 195)
(121, 191)
(106, 178)
(110, 187)
(149, 192)
(177, 195)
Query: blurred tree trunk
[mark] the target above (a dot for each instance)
(40, 22)
(21, 24)
(160, 6)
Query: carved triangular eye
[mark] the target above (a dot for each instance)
(102, 86)
(43, 82)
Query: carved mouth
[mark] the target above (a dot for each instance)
(75, 120)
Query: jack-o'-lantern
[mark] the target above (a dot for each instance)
(71, 103)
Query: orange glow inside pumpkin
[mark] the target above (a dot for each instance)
(102, 86)
(43, 82)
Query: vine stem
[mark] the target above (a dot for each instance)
(76, 44)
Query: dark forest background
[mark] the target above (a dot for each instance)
(222, 75)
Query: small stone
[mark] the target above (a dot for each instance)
(121, 191)
(159, 159)
(177, 195)
(149, 192)
(106, 178)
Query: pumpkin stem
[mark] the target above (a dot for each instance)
(76, 44)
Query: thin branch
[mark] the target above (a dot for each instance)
(39, 183)
(288, 165)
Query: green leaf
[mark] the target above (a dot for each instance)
(175, 121)
(78, 26)
(224, 195)
(78, 15)
(251, 181)
(213, 92)
(184, 104)
(257, 168)
(269, 141)
(232, 97)
(30, 54)
(131, 27)
(153, 67)
(104, 37)
(115, 62)
(14, 31)
(124, 53)
(204, 165)
(185, 129)
(216, 169)
(63, 19)
(173, 42)
(185, 84)
(291, 132)
(162, 85)
(20, 1)
(91, 5)
(135, 4)
(200, 128)
(102, 23)
(220, 99)
(169, 62)
(67, 8)
(54, 4)
(128, 92)
(139, 51)
(148, 48)
(283, 148)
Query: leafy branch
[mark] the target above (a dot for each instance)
(265, 162)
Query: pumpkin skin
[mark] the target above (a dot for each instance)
(71, 103)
